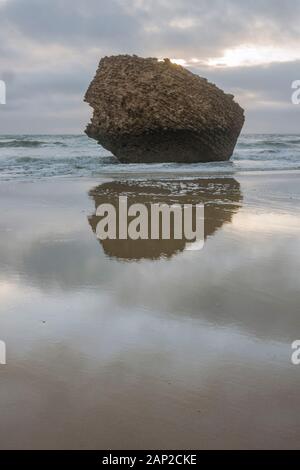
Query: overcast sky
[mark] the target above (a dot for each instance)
(50, 49)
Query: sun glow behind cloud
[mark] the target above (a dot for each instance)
(179, 62)
(242, 56)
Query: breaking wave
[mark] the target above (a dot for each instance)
(76, 155)
(25, 143)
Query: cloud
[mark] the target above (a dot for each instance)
(72, 22)
(50, 51)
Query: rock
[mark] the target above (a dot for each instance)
(146, 110)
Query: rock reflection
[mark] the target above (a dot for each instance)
(221, 197)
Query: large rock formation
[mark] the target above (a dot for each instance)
(146, 110)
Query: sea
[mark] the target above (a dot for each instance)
(30, 157)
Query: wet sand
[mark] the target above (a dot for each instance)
(169, 349)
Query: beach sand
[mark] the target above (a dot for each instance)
(109, 347)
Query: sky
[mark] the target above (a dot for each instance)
(50, 50)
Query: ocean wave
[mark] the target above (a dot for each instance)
(25, 143)
(268, 143)
(50, 156)
(75, 162)
(21, 160)
(20, 143)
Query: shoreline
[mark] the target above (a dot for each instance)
(128, 349)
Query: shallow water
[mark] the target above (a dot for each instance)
(184, 349)
(39, 156)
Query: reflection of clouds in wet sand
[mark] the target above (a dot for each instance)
(103, 353)
(129, 376)
(221, 197)
(241, 277)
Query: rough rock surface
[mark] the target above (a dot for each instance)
(146, 110)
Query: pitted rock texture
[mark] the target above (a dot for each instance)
(146, 110)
